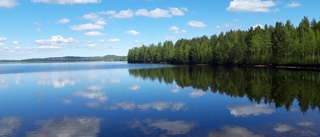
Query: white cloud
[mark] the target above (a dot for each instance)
(92, 16)
(248, 110)
(234, 131)
(174, 29)
(71, 2)
(197, 24)
(93, 33)
(67, 127)
(15, 42)
(283, 128)
(124, 14)
(102, 40)
(197, 93)
(228, 25)
(8, 3)
(155, 13)
(2, 39)
(113, 40)
(293, 5)
(124, 106)
(63, 21)
(8, 125)
(49, 47)
(251, 5)
(132, 32)
(1, 44)
(109, 12)
(56, 41)
(184, 31)
(134, 87)
(87, 26)
(158, 106)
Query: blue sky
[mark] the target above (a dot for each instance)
(54, 28)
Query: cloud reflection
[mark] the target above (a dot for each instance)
(305, 124)
(8, 125)
(283, 128)
(198, 93)
(248, 110)
(134, 87)
(3, 83)
(176, 89)
(57, 80)
(234, 131)
(157, 105)
(149, 126)
(68, 127)
(93, 93)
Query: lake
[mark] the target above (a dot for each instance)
(113, 99)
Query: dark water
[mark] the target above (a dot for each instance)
(119, 99)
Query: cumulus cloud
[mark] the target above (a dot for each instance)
(93, 33)
(174, 29)
(251, 5)
(113, 40)
(248, 110)
(15, 42)
(8, 125)
(63, 21)
(2, 39)
(68, 127)
(124, 14)
(132, 32)
(197, 24)
(283, 128)
(71, 2)
(55, 42)
(293, 5)
(8, 3)
(134, 87)
(257, 25)
(87, 26)
(92, 16)
(155, 13)
(197, 93)
(233, 131)
(171, 128)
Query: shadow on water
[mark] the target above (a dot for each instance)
(281, 87)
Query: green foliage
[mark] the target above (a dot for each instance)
(282, 44)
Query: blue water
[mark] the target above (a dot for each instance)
(103, 99)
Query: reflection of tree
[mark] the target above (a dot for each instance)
(280, 87)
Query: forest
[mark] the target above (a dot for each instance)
(280, 45)
(268, 86)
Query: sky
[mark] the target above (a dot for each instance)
(56, 28)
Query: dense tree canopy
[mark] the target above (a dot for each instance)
(282, 44)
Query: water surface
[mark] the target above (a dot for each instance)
(120, 99)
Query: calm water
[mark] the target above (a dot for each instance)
(118, 99)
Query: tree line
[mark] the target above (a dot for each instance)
(269, 86)
(281, 44)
